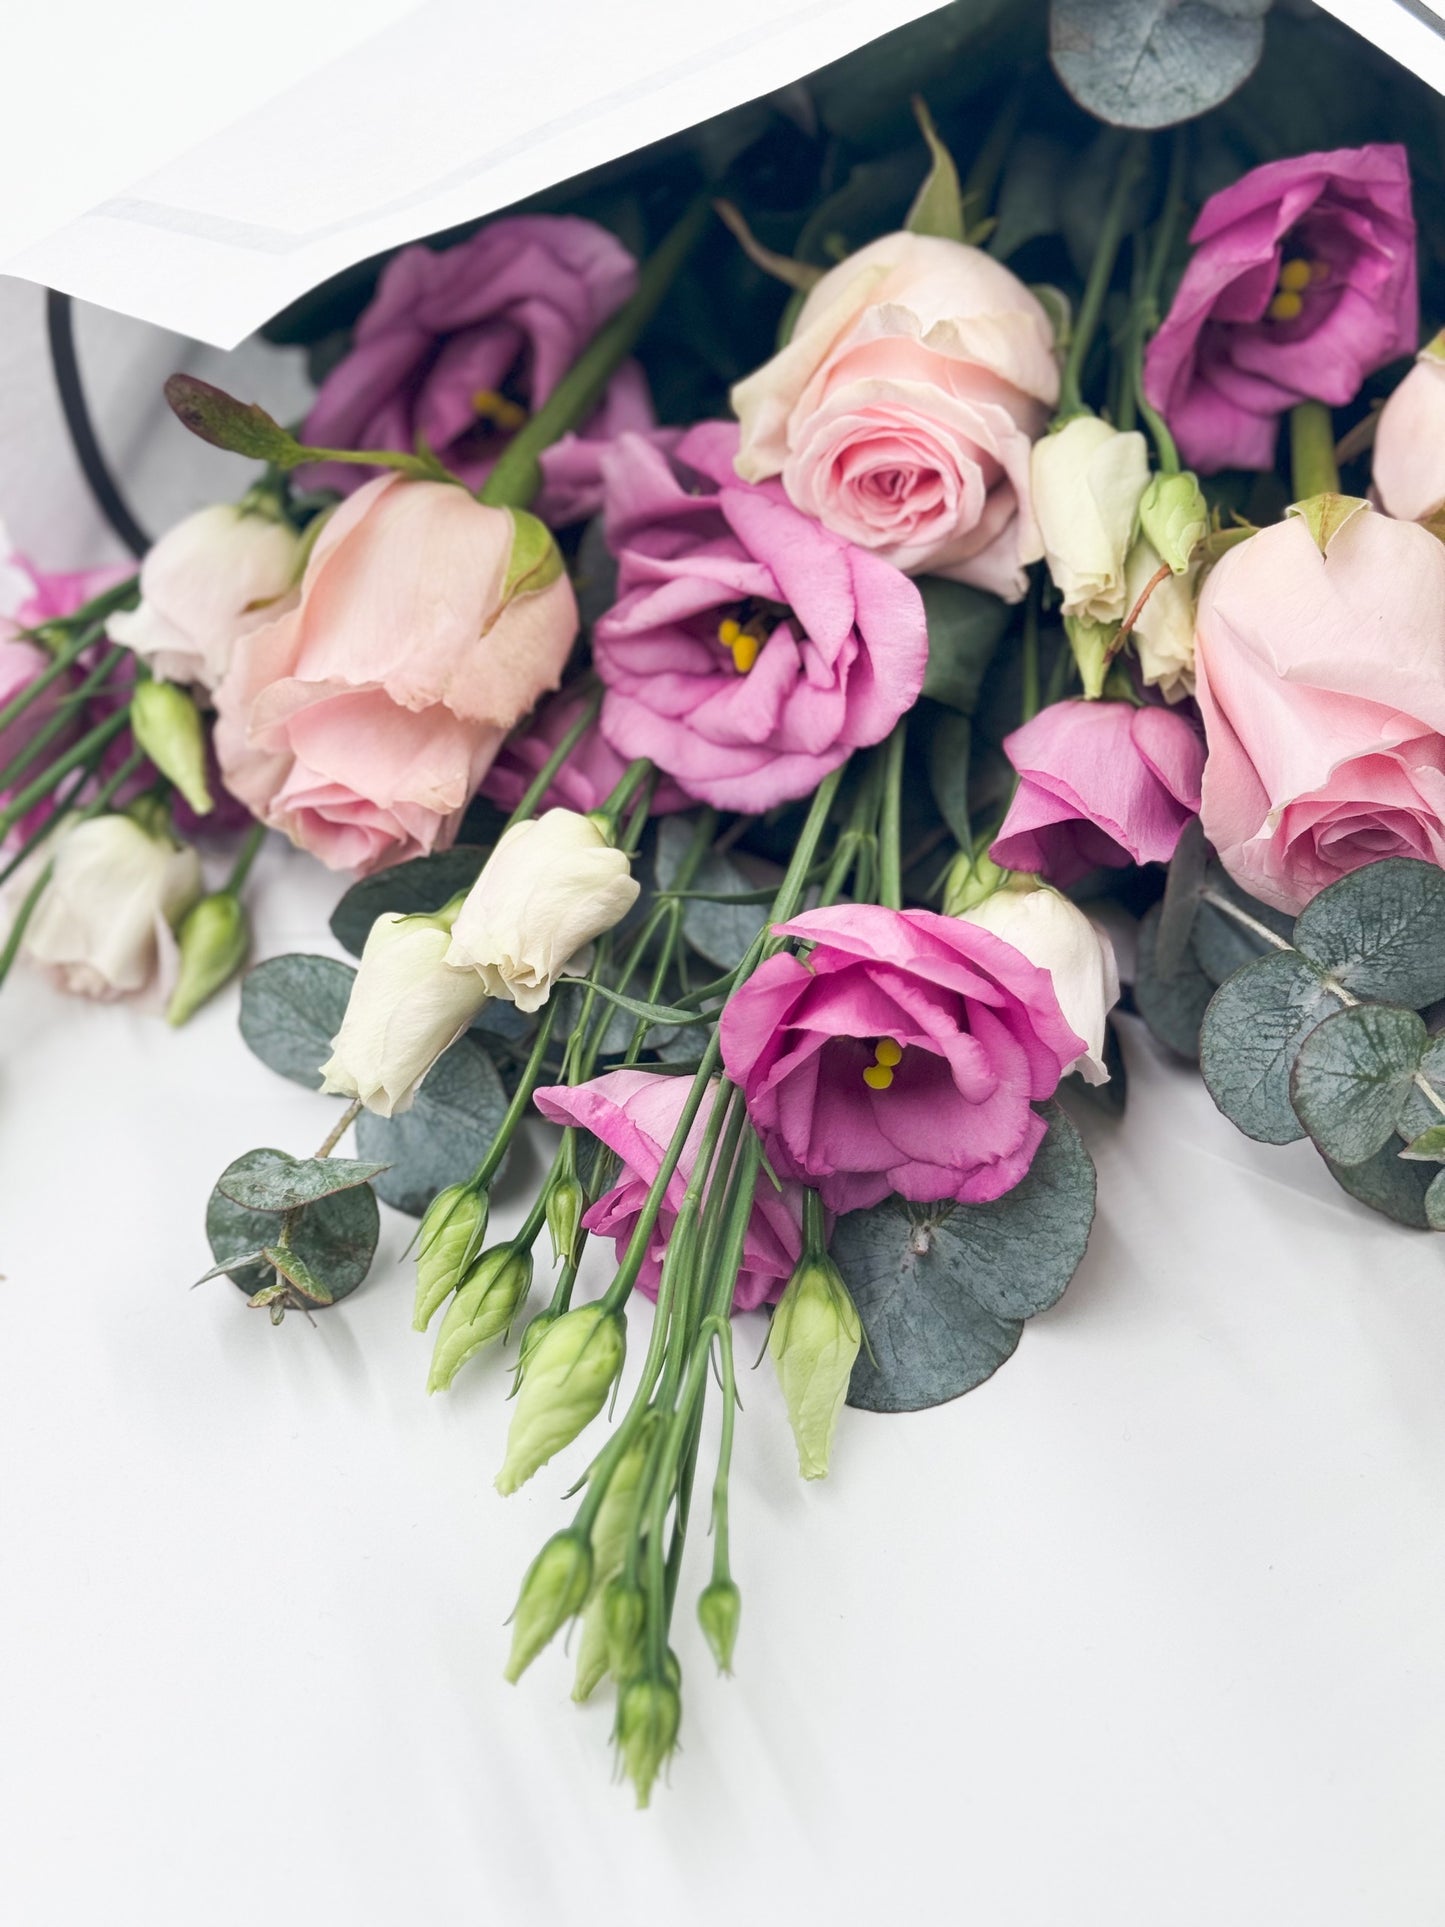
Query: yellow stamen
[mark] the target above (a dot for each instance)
(1285, 307)
(887, 1052)
(1296, 275)
(728, 631)
(500, 410)
(878, 1077)
(746, 649)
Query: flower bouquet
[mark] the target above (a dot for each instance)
(760, 625)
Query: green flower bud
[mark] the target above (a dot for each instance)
(454, 1226)
(624, 1615)
(719, 1608)
(613, 1525)
(553, 1592)
(1094, 645)
(813, 1341)
(565, 1204)
(214, 936)
(1174, 518)
(564, 1387)
(969, 881)
(531, 1338)
(649, 1713)
(167, 725)
(591, 1650)
(483, 1309)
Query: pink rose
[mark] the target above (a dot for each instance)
(1099, 783)
(1409, 460)
(905, 1053)
(1322, 683)
(459, 345)
(750, 651)
(591, 772)
(361, 721)
(902, 411)
(1303, 282)
(634, 1113)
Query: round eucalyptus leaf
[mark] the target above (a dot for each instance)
(1435, 1202)
(1172, 1006)
(334, 1238)
(291, 1008)
(720, 931)
(446, 1133)
(1151, 63)
(1390, 1184)
(1352, 1077)
(289, 1182)
(1252, 1030)
(1419, 1113)
(1380, 931)
(423, 884)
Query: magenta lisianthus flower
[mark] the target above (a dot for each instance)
(591, 772)
(634, 1113)
(1303, 282)
(460, 345)
(904, 1053)
(750, 651)
(1099, 783)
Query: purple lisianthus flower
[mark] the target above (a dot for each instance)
(1303, 282)
(1100, 783)
(904, 1053)
(460, 345)
(750, 650)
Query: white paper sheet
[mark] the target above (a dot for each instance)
(449, 112)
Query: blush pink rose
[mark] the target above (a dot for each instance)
(460, 344)
(750, 651)
(1322, 685)
(361, 722)
(591, 772)
(1303, 281)
(902, 412)
(1409, 457)
(979, 1038)
(634, 1113)
(1100, 783)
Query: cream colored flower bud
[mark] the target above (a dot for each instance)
(1173, 519)
(114, 897)
(551, 885)
(1087, 479)
(568, 1375)
(167, 726)
(813, 1342)
(487, 1301)
(407, 1006)
(1055, 934)
(451, 1232)
(1163, 633)
(553, 1592)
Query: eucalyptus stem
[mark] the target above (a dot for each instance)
(1101, 272)
(338, 1131)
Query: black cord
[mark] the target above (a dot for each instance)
(60, 326)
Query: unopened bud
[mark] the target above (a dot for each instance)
(649, 1713)
(624, 1614)
(591, 1650)
(1174, 518)
(214, 936)
(1095, 645)
(454, 1226)
(719, 1608)
(553, 1592)
(565, 1203)
(564, 1387)
(616, 1515)
(970, 880)
(483, 1309)
(531, 1337)
(813, 1342)
(167, 725)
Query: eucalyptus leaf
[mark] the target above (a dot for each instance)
(1352, 1076)
(1255, 1024)
(1428, 1147)
(446, 1133)
(965, 628)
(1380, 931)
(1173, 1007)
(295, 1270)
(943, 1289)
(1435, 1203)
(1151, 63)
(1028, 195)
(290, 1182)
(722, 932)
(335, 1237)
(423, 884)
(1389, 1184)
(1221, 943)
(1183, 890)
(1420, 1112)
(291, 1008)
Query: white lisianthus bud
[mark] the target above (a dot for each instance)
(407, 1006)
(611, 1531)
(113, 900)
(1086, 480)
(569, 1372)
(214, 937)
(485, 1305)
(1163, 633)
(554, 1591)
(212, 578)
(551, 885)
(719, 1609)
(1174, 519)
(1055, 934)
(452, 1230)
(166, 724)
(649, 1713)
(813, 1342)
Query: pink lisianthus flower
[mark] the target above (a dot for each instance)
(460, 345)
(750, 651)
(1303, 282)
(591, 772)
(1100, 783)
(905, 1053)
(634, 1113)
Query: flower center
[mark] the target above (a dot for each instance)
(1295, 276)
(886, 1054)
(492, 406)
(744, 633)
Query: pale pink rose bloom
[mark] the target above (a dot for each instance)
(1409, 462)
(361, 722)
(902, 412)
(1321, 679)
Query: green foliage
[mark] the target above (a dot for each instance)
(322, 1258)
(291, 1008)
(425, 883)
(444, 1136)
(1138, 63)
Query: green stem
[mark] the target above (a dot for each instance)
(81, 753)
(890, 847)
(721, 1564)
(1101, 273)
(547, 774)
(1313, 469)
(246, 856)
(49, 676)
(521, 1099)
(815, 1225)
(1031, 655)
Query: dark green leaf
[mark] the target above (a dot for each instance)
(1173, 1007)
(938, 206)
(295, 1270)
(943, 1290)
(423, 884)
(1220, 942)
(291, 1008)
(949, 744)
(1150, 63)
(1351, 1078)
(289, 1182)
(1419, 1112)
(1112, 1096)
(446, 1133)
(1183, 888)
(1435, 1203)
(720, 931)
(965, 628)
(1028, 196)
(1389, 1184)
(1381, 931)
(1255, 1024)
(639, 1007)
(335, 1237)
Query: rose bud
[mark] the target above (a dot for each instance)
(649, 1713)
(572, 1368)
(554, 1591)
(1087, 480)
(487, 1301)
(550, 886)
(214, 936)
(813, 1341)
(116, 893)
(451, 1232)
(210, 580)
(167, 726)
(407, 1006)
(1409, 458)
